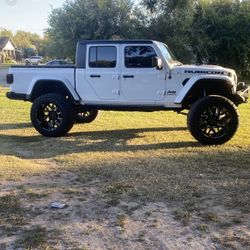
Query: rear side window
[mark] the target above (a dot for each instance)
(139, 56)
(102, 57)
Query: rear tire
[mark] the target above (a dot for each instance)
(87, 116)
(213, 120)
(52, 115)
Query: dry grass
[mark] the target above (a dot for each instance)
(11, 212)
(124, 161)
(35, 238)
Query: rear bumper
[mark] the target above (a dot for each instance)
(242, 94)
(16, 96)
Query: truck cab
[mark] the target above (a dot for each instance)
(124, 74)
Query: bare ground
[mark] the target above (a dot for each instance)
(130, 181)
(97, 218)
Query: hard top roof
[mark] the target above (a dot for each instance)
(115, 41)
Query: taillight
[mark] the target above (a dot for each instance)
(9, 78)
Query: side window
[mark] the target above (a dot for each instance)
(102, 57)
(139, 56)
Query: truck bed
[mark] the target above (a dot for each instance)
(26, 76)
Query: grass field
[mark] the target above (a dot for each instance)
(4, 66)
(130, 180)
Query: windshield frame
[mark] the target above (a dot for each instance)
(167, 54)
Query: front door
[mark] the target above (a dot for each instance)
(102, 71)
(141, 82)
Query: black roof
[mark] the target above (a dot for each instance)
(115, 41)
(4, 40)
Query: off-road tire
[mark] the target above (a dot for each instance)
(86, 117)
(213, 120)
(52, 115)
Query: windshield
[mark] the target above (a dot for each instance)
(167, 54)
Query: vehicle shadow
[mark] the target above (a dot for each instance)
(90, 141)
(10, 126)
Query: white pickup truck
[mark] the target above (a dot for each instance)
(130, 75)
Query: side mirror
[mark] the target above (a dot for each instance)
(157, 63)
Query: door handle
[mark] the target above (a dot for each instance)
(128, 76)
(95, 76)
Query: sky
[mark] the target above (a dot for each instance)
(27, 15)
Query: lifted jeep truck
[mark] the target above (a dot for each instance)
(130, 75)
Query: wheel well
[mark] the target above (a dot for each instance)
(207, 87)
(49, 86)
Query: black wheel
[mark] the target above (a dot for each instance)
(87, 116)
(52, 115)
(213, 120)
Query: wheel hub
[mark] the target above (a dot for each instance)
(49, 116)
(53, 115)
(215, 121)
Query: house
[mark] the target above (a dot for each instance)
(8, 50)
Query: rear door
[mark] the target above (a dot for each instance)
(141, 82)
(102, 70)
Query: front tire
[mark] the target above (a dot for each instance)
(213, 120)
(52, 115)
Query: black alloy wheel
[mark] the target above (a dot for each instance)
(52, 115)
(213, 120)
(49, 115)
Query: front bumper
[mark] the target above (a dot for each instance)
(242, 93)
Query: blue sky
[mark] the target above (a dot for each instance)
(27, 15)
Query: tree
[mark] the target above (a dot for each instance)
(221, 33)
(171, 23)
(6, 32)
(22, 40)
(90, 19)
(209, 31)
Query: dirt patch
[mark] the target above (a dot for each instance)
(93, 220)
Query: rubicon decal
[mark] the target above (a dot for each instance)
(204, 72)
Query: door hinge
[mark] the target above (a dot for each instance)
(115, 77)
(116, 92)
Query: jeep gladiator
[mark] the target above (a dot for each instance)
(130, 75)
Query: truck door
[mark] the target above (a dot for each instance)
(102, 71)
(141, 82)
